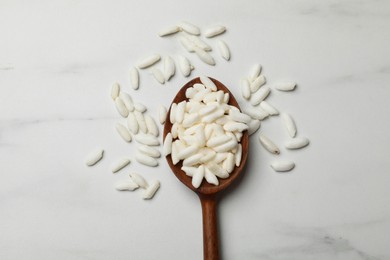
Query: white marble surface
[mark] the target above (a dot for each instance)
(58, 60)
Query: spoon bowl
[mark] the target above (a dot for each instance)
(207, 192)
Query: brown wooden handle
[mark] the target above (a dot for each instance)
(210, 228)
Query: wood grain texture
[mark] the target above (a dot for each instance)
(208, 192)
(210, 227)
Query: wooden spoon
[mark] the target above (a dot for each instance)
(208, 192)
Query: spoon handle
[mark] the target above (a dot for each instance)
(210, 229)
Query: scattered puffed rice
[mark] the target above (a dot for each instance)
(94, 156)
